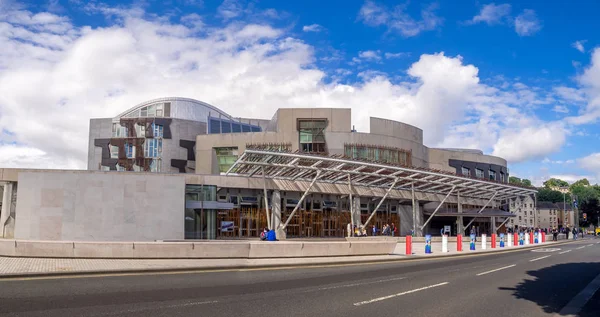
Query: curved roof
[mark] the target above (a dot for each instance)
(182, 108)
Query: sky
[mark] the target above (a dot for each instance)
(517, 80)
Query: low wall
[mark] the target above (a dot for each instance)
(193, 250)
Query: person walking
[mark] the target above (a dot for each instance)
(374, 230)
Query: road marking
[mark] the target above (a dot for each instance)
(589, 245)
(576, 304)
(498, 269)
(129, 311)
(580, 248)
(565, 252)
(355, 284)
(378, 299)
(543, 257)
(544, 250)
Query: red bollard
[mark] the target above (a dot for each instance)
(531, 238)
(459, 242)
(515, 239)
(543, 237)
(493, 240)
(408, 245)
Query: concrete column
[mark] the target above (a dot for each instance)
(493, 225)
(276, 209)
(356, 211)
(6, 206)
(419, 220)
(459, 221)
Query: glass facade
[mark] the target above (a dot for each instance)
(226, 156)
(200, 223)
(312, 135)
(378, 154)
(219, 125)
(153, 148)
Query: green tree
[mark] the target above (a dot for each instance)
(584, 193)
(514, 180)
(555, 182)
(592, 209)
(547, 194)
(581, 182)
(526, 182)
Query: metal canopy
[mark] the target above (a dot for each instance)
(343, 170)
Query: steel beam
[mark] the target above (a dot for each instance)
(351, 206)
(505, 221)
(240, 159)
(438, 207)
(480, 210)
(380, 203)
(301, 200)
(266, 199)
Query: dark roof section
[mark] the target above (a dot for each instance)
(547, 205)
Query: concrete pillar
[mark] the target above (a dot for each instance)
(419, 220)
(276, 209)
(493, 225)
(356, 211)
(6, 209)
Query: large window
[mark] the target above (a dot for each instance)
(466, 171)
(158, 130)
(119, 131)
(114, 151)
(312, 135)
(479, 173)
(156, 110)
(492, 175)
(153, 147)
(226, 156)
(378, 154)
(129, 150)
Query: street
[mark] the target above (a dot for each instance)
(521, 283)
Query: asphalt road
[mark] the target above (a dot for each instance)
(521, 283)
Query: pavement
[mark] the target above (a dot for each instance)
(19, 266)
(526, 282)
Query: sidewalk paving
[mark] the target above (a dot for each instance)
(23, 267)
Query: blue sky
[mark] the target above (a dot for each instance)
(516, 79)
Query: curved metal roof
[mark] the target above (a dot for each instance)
(174, 100)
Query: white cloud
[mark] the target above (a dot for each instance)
(590, 92)
(369, 55)
(530, 142)
(549, 161)
(240, 68)
(230, 9)
(527, 23)
(591, 163)
(312, 28)
(396, 55)
(570, 94)
(492, 14)
(560, 109)
(397, 20)
(578, 45)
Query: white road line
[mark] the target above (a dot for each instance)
(355, 284)
(543, 257)
(399, 294)
(580, 248)
(498, 269)
(576, 304)
(565, 252)
(129, 311)
(589, 245)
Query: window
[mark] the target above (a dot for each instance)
(226, 156)
(129, 150)
(492, 175)
(114, 151)
(140, 130)
(519, 218)
(502, 177)
(153, 148)
(378, 154)
(155, 166)
(530, 205)
(120, 168)
(157, 130)
(479, 173)
(119, 131)
(312, 136)
(466, 171)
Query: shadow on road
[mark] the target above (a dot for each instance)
(553, 287)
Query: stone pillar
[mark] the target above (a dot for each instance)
(418, 219)
(356, 211)
(6, 209)
(276, 209)
(493, 225)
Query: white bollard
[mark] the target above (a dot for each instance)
(483, 242)
(444, 243)
(509, 240)
(527, 238)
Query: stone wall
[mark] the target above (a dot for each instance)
(99, 206)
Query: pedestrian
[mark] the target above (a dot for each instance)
(442, 232)
(374, 230)
(567, 230)
(393, 229)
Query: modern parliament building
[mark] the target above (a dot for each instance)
(178, 168)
